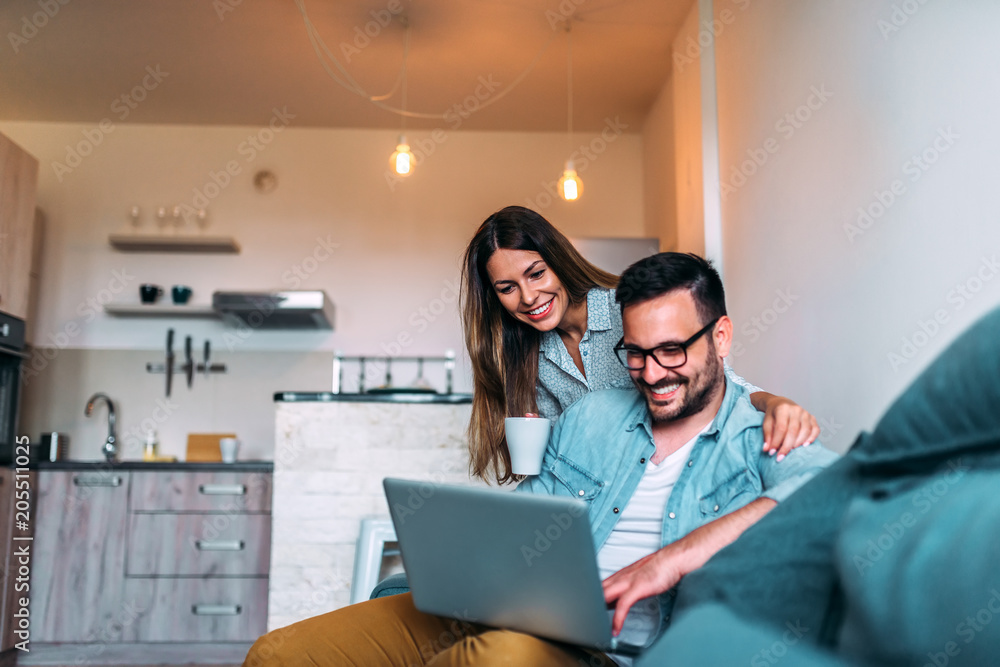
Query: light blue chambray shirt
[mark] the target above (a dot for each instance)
(599, 449)
(560, 382)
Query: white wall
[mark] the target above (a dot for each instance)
(834, 298)
(397, 250)
(393, 273)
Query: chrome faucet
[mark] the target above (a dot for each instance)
(110, 448)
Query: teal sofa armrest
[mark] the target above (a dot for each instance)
(394, 585)
(711, 634)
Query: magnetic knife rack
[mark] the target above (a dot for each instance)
(188, 367)
(338, 368)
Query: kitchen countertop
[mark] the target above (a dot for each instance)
(154, 466)
(401, 397)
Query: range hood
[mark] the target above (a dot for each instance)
(290, 309)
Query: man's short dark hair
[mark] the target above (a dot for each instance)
(666, 272)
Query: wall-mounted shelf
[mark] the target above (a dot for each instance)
(155, 310)
(173, 243)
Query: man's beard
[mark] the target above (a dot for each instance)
(699, 391)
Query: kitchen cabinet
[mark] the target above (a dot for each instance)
(165, 560)
(18, 183)
(77, 575)
(210, 533)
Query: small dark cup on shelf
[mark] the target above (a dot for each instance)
(180, 294)
(150, 293)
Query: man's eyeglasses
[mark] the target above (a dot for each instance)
(669, 356)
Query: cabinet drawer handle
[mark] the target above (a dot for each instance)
(114, 480)
(219, 545)
(222, 490)
(216, 609)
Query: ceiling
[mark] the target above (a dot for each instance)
(230, 62)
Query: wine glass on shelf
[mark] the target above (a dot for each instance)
(162, 218)
(177, 219)
(134, 218)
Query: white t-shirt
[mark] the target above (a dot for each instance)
(636, 535)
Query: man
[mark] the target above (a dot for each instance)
(671, 473)
(679, 463)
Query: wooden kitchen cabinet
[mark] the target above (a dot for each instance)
(18, 183)
(192, 545)
(213, 609)
(79, 566)
(171, 563)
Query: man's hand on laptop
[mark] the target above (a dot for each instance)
(658, 572)
(662, 570)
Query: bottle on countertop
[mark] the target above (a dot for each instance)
(151, 450)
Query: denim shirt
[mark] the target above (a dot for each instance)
(600, 445)
(560, 382)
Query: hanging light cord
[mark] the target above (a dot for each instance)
(569, 83)
(345, 80)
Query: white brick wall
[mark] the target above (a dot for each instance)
(330, 459)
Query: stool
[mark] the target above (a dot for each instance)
(369, 554)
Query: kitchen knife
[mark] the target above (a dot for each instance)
(170, 359)
(208, 355)
(188, 360)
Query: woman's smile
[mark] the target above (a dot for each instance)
(542, 311)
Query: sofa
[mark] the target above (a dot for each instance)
(891, 556)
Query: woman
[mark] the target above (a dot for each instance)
(540, 324)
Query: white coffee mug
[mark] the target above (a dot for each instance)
(229, 447)
(527, 438)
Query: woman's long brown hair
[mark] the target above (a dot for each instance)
(504, 351)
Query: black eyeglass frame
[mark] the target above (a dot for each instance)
(683, 347)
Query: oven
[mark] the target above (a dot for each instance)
(11, 355)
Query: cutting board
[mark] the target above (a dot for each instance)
(205, 446)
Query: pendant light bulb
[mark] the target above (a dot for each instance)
(402, 161)
(570, 185)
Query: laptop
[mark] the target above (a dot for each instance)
(519, 561)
